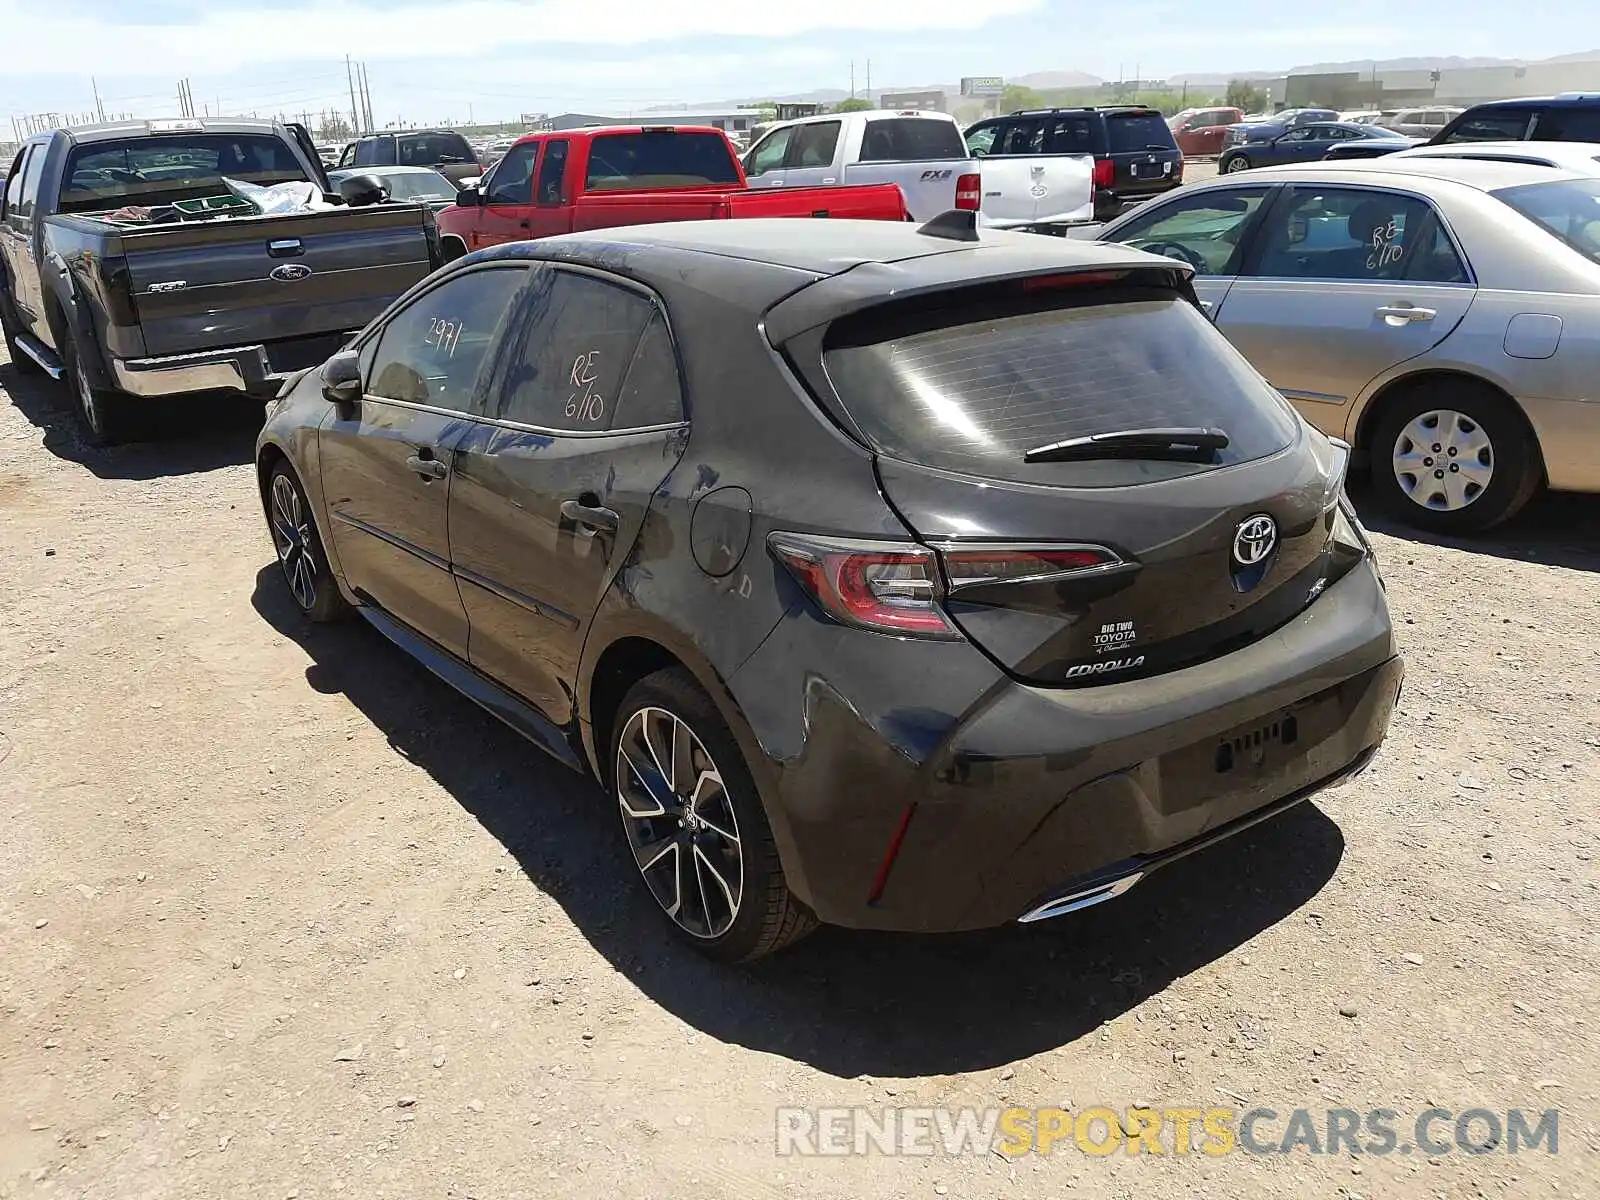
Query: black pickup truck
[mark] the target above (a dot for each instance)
(128, 272)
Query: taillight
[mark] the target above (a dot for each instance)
(969, 192)
(967, 567)
(888, 587)
(1105, 172)
(1178, 174)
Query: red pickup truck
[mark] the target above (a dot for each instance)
(550, 183)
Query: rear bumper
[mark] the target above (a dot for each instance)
(248, 370)
(1019, 796)
(1108, 203)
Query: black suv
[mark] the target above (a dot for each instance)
(1135, 154)
(442, 149)
(1570, 117)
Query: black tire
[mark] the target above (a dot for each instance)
(765, 916)
(452, 248)
(1516, 467)
(1233, 163)
(11, 328)
(104, 417)
(298, 544)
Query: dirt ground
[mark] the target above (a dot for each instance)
(283, 917)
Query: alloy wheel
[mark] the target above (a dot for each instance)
(291, 534)
(1235, 165)
(1443, 460)
(680, 822)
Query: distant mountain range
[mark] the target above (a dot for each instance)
(1065, 79)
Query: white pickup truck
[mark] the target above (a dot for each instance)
(925, 154)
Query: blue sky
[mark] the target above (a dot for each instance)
(503, 57)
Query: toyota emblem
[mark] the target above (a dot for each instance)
(1255, 540)
(290, 272)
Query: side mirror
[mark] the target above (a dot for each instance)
(341, 380)
(468, 196)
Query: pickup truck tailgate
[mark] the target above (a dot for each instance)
(928, 186)
(256, 280)
(1038, 189)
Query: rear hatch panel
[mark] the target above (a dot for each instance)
(211, 285)
(1146, 158)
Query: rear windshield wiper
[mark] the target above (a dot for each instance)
(1176, 445)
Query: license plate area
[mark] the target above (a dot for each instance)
(1272, 752)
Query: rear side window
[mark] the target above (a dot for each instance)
(1128, 133)
(973, 390)
(912, 139)
(1568, 209)
(14, 185)
(552, 170)
(651, 394)
(1568, 125)
(580, 339)
(1069, 135)
(664, 158)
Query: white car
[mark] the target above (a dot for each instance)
(925, 153)
(1573, 156)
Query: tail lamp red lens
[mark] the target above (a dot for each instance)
(897, 587)
(969, 192)
(891, 587)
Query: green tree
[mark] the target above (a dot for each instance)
(1242, 94)
(1016, 96)
(854, 104)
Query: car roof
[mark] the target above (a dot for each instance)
(159, 127)
(1554, 153)
(1565, 100)
(829, 247)
(1474, 173)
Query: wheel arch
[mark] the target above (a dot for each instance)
(1391, 391)
(451, 247)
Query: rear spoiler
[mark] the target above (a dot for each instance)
(1031, 260)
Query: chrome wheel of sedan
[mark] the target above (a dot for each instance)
(680, 822)
(1443, 460)
(291, 534)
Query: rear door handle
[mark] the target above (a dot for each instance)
(591, 515)
(1406, 312)
(427, 466)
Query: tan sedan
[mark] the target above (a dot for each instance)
(1443, 315)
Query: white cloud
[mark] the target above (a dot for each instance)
(219, 39)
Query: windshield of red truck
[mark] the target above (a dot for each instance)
(665, 158)
(159, 170)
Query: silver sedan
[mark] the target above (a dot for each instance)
(1441, 314)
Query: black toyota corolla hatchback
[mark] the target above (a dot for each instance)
(911, 579)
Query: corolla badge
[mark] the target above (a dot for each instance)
(290, 272)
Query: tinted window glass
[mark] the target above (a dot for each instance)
(909, 139)
(1131, 132)
(1502, 125)
(434, 350)
(1568, 208)
(159, 170)
(770, 153)
(814, 144)
(578, 342)
(1021, 137)
(383, 152)
(650, 394)
(552, 173)
(1569, 125)
(974, 390)
(430, 149)
(659, 159)
(1069, 135)
(512, 182)
(1334, 233)
(1205, 230)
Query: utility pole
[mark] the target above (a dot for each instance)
(99, 108)
(869, 80)
(355, 113)
(852, 79)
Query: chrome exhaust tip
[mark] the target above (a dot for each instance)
(1088, 898)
